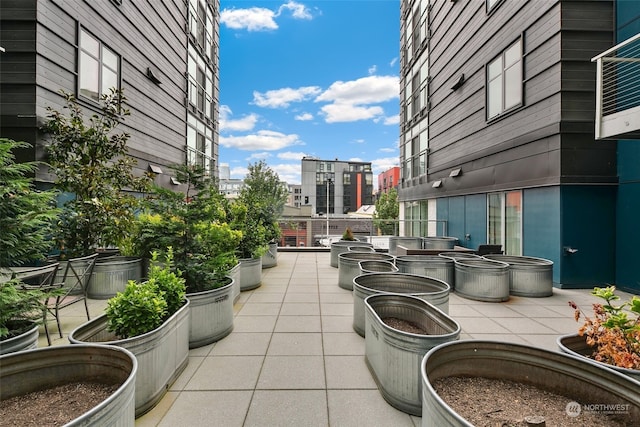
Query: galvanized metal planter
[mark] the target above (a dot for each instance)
(27, 340)
(368, 249)
(576, 378)
(250, 273)
(576, 345)
(234, 273)
(433, 266)
(404, 241)
(162, 354)
(111, 275)
(343, 246)
(454, 255)
(349, 265)
(440, 242)
(482, 279)
(270, 258)
(434, 291)
(393, 356)
(376, 266)
(33, 370)
(211, 315)
(528, 276)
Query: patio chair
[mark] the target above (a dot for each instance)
(74, 282)
(39, 278)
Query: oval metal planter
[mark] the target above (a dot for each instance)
(434, 266)
(270, 258)
(349, 265)
(250, 273)
(393, 356)
(440, 242)
(342, 246)
(368, 249)
(162, 354)
(406, 242)
(579, 379)
(211, 315)
(454, 255)
(434, 291)
(528, 276)
(34, 370)
(576, 345)
(376, 266)
(482, 279)
(111, 275)
(27, 340)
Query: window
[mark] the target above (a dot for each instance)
(98, 68)
(200, 84)
(505, 221)
(504, 81)
(200, 145)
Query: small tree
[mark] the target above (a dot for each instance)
(91, 162)
(387, 212)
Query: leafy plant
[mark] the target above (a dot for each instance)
(387, 212)
(254, 242)
(168, 282)
(614, 330)
(27, 215)
(101, 211)
(348, 234)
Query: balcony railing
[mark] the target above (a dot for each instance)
(618, 91)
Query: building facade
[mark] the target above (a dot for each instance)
(162, 54)
(388, 179)
(497, 131)
(343, 185)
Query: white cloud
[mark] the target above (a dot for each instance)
(281, 98)
(262, 140)
(304, 117)
(393, 61)
(244, 124)
(260, 18)
(359, 141)
(380, 165)
(388, 150)
(373, 69)
(335, 113)
(392, 120)
(288, 172)
(366, 90)
(239, 172)
(290, 155)
(259, 156)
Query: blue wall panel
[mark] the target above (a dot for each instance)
(475, 220)
(628, 231)
(456, 218)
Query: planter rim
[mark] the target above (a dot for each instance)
(481, 263)
(634, 373)
(520, 261)
(362, 256)
(27, 354)
(118, 259)
(393, 276)
(195, 294)
(427, 258)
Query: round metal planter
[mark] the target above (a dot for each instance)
(528, 276)
(576, 345)
(162, 354)
(368, 249)
(250, 273)
(375, 266)
(234, 274)
(211, 315)
(349, 265)
(343, 246)
(482, 279)
(393, 356)
(33, 370)
(434, 291)
(579, 379)
(27, 340)
(440, 242)
(433, 266)
(111, 275)
(270, 258)
(406, 242)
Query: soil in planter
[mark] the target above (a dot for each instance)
(54, 406)
(491, 402)
(404, 325)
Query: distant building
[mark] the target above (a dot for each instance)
(295, 195)
(344, 185)
(388, 179)
(231, 187)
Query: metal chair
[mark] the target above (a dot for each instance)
(42, 279)
(74, 282)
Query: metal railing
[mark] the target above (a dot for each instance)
(618, 91)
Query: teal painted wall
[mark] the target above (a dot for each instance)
(588, 223)
(541, 226)
(455, 226)
(475, 220)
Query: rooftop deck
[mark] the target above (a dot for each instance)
(293, 358)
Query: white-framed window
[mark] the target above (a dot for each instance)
(504, 81)
(200, 84)
(200, 145)
(201, 27)
(504, 221)
(98, 67)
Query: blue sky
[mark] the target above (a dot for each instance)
(314, 78)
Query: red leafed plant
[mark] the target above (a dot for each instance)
(614, 330)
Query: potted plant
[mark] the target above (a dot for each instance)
(611, 336)
(252, 245)
(196, 225)
(348, 235)
(150, 319)
(99, 210)
(27, 217)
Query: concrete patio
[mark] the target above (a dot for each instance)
(293, 358)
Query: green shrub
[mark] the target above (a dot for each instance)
(169, 283)
(139, 309)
